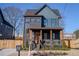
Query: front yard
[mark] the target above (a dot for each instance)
(71, 52)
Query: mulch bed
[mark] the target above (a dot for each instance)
(49, 54)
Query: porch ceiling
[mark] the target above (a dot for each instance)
(43, 28)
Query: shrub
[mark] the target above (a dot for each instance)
(25, 48)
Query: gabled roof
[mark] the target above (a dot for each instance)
(31, 12)
(56, 11)
(4, 21)
(36, 11)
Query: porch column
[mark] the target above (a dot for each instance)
(30, 40)
(51, 39)
(30, 34)
(40, 34)
(61, 37)
(40, 39)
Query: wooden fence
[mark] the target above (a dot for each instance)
(10, 43)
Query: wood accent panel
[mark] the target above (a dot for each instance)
(51, 34)
(51, 42)
(41, 34)
(61, 35)
(30, 34)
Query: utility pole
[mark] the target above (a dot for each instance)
(29, 53)
(24, 36)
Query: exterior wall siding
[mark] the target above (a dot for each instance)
(6, 31)
(33, 22)
(51, 19)
(47, 13)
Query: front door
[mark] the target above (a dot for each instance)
(37, 37)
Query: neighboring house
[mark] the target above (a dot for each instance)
(6, 29)
(44, 24)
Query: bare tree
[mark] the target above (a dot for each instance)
(15, 17)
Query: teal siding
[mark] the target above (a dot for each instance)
(50, 18)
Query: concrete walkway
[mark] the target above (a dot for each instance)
(6, 52)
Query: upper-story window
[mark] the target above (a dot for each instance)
(45, 22)
(35, 19)
(51, 23)
(27, 19)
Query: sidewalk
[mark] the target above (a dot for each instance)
(22, 53)
(13, 52)
(6, 52)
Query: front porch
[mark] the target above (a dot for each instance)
(45, 36)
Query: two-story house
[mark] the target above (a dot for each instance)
(6, 29)
(44, 24)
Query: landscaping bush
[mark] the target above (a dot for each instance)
(54, 47)
(64, 44)
(25, 48)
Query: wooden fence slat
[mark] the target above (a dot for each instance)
(10, 43)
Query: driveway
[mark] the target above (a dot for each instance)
(6, 52)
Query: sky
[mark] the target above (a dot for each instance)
(69, 12)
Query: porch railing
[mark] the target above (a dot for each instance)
(54, 41)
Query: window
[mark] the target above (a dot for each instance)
(35, 22)
(56, 35)
(27, 20)
(45, 23)
(35, 19)
(53, 36)
(45, 35)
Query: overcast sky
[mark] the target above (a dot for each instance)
(69, 12)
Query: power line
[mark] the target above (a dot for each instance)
(65, 7)
(63, 13)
